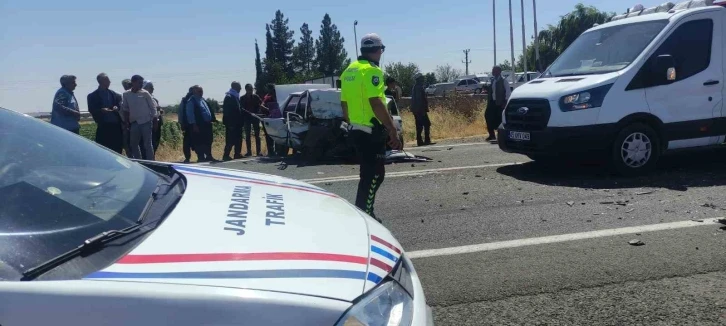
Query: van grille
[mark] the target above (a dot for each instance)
(535, 118)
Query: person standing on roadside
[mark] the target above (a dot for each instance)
(251, 104)
(156, 133)
(199, 117)
(499, 92)
(232, 120)
(371, 126)
(65, 113)
(105, 107)
(187, 137)
(126, 84)
(420, 110)
(139, 111)
(391, 88)
(273, 108)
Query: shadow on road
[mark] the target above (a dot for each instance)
(675, 172)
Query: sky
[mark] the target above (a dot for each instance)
(211, 43)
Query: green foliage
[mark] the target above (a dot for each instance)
(506, 65)
(555, 39)
(282, 44)
(171, 133)
(331, 57)
(430, 78)
(214, 105)
(446, 73)
(88, 130)
(259, 74)
(304, 53)
(403, 73)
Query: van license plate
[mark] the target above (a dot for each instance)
(518, 135)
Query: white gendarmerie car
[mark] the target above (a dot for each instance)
(88, 237)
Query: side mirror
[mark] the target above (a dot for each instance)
(664, 69)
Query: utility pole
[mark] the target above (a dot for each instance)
(511, 40)
(466, 60)
(355, 34)
(524, 45)
(536, 38)
(494, 19)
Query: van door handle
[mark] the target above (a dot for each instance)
(711, 83)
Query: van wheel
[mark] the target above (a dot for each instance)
(636, 150)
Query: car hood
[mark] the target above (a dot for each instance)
(556, 87)
(246, 230)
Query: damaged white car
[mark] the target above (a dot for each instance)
(313, 125)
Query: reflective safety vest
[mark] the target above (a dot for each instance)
(361, 81)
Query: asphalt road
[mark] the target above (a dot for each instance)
(499, 240)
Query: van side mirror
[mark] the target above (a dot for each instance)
(664, 69)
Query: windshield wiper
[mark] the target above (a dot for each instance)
(93, 243)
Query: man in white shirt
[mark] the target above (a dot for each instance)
(139, 111)
(499, 93)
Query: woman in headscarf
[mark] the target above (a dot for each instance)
(155, 133)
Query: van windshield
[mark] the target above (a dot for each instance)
(605, 50)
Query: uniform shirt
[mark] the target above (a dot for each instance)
(140, 106)
(360, 82)
(65, 107)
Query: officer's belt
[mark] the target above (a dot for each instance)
(366, 129)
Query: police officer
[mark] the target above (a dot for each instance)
(371, 126)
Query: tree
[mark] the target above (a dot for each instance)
(269, 45)
(506, 65)
(260, 78)
(282, 43)
(430, 78)
(555, 39)
(403, 73)
(214, 105)
(446, 73)
(331, 57)
(304, 52)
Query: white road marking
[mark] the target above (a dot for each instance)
(558, 238)
(408, 173)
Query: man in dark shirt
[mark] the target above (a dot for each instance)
(391, 88)
(232, 120)
(420, 109)
(104, 105)
(251, 104)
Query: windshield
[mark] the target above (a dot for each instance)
(605, 50)
(60, 189)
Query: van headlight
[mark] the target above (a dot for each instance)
(588, 99)
(389, 304)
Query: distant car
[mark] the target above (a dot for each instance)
(88, 237)
(441, 89)
(469, 86)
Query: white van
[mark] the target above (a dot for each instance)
(631, 89)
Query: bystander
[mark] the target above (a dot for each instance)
(200, 118)
(232, 120)
(104, 106)
(65, 112)
(139, 111)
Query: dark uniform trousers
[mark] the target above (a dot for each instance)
(371, 150)
(187, 143)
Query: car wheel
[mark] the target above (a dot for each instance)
(636, 150)
(477, 91)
